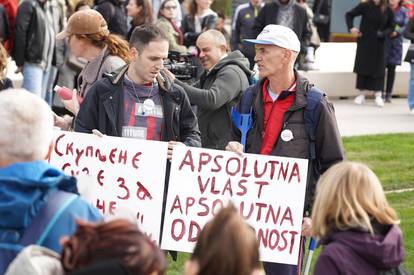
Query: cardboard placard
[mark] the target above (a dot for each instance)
(126, 176)
(269, 192)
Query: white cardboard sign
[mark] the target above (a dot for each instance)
(126, 176)
(269, 192)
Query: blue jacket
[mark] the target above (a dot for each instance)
(394, 45)
(24, 188)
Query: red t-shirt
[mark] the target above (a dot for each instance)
(273, 115)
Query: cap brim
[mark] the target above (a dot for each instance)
(62, 35)
(258, 41)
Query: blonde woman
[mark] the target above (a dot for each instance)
(355, 223)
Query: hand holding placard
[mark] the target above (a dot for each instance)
(124, 174)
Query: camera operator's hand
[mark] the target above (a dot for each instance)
(169, 74)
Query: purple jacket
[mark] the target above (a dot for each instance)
(356, 252)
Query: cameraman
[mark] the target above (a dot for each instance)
(224, 78)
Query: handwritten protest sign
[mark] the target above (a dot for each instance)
(126, 175)
(269, 192)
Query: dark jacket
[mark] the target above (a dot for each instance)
(357, 252)
(394, 45)
(5, 28)
(30, 33)
(322, 7)
(375, 26)
(268, 15)
(242, 27)
(328, 142)
(102, 109)
(214, 94)
(115, 16)
(188, 27)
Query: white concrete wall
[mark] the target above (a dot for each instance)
(335, 75)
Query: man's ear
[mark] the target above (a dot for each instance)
(288, 55)
(133, 53)
(223, 48)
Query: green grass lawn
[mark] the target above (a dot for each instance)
(391, 157)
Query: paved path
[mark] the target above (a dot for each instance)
(354, 120)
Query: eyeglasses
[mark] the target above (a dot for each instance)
(170, 7)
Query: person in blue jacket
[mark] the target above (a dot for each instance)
(394, 45)
(28, 182)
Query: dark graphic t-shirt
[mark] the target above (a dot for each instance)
(142, 122)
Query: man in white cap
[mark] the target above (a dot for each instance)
(293, 119)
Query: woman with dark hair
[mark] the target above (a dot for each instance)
(227, 245)
(166, 22)
(376, 25)
(117, 245)
(141, 13)
(394, 45)
(200, 18)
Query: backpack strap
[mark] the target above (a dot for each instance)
(311, 117)
(47, 217)
(243, 119)
(40, 227)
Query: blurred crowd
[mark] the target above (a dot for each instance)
(44, 61)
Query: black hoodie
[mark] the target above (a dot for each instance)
(115, 16)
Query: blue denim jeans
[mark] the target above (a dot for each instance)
(49, 87)
(411, 89)
(35, 79)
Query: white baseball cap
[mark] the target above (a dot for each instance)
(277, 35)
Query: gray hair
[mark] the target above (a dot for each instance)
(217, 36)
(26, 129)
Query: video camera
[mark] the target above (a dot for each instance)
(181, 65)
